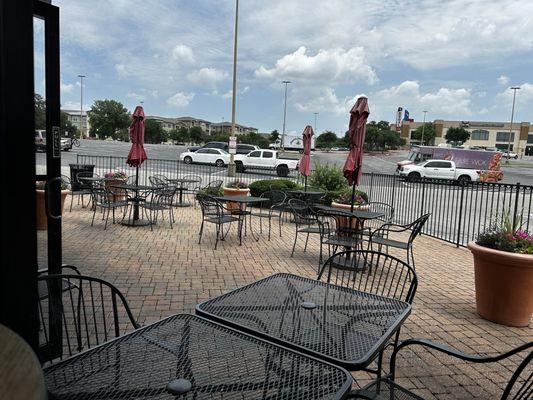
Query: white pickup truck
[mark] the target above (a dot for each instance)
(438, 169)
(265, 159)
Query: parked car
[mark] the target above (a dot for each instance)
(510, 155)
(40, 141)
(241, 147)
(438, 169)
(217, 157)
(266, 159)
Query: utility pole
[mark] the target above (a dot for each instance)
(423, 128)
(81, 105)
(315, 120)
(514, 89)
(284, 116)
(231, 165)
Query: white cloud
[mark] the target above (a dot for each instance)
(122, 70)
(524, 96)
(180, 99)
(326, 66)
(73, 105)
(503, 80)
(66, 88)
(135, 96)
(183, 54)
(229, 93)
(207, 77)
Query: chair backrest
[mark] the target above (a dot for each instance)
(101, 195)
(416, 226)
(65, 180)
(158, 180)
(384, 208)
(301, 212)
(276, 197)
(520, 386)
(372, 272)
(214, 184)
(132, 179)
(84, 185)
(210, 206)
(193, 185)
(165, 196)
(78, 312)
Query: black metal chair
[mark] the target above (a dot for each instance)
(382, 236)
(306, 221)
(519, 387)
(388, 215)
(91, 312)
(275, 204)
(192, 188)
(214, 212)
(161, 200)
(372, 272)
(107, 200)
(80, 188)
(158, 180)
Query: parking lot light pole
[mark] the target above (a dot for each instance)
(514, 89)
(284, 116)
(315, 120)
(423, 128)
(231, 165)
(81, 105)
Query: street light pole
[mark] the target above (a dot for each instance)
(81, 104)
(231, 165)
(514, 89)
(423, 128)
(284, 116)
(315, 120)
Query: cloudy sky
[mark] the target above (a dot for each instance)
(455, 58)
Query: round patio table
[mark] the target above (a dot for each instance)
(181, 189)
(133, 193)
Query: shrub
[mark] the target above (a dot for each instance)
(210, 191)
(257, 188)
(328, 178)
(237, 184)
(506, 237)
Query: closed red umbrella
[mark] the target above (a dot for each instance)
(357, 130)
(305, 162)
(137, 155)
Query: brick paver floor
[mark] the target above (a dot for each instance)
(166, 272)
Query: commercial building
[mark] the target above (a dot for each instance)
(483, 134)
(74, 117)
(208, 127)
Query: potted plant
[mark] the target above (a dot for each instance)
(236, 188)
(503, 267)
(41, 218)
(344, 201)
(116, 178)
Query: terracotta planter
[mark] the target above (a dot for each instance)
(120, 194)
(504, 285)
(41, 219)
(236, 192)
(344, 222)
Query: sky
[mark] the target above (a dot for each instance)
(456, 59)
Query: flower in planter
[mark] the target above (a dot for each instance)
(237, 184)
(345, 197)
(40, 185)
(506, 237)
(120, 175)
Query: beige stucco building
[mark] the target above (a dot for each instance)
(74, 117)
(208, 127)
(482, 134)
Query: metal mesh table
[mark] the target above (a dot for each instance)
(197, 358)
(344, 326)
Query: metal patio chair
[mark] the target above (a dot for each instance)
(519, 386)
(107, 200)
(306, 221)
(158, 180)
(91, 312)
(214, 212)
(383, 236)
(82, 188)
(275, 204)
(161, 200)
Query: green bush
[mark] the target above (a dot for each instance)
(210, 191)
(257, 188)
(328, 177)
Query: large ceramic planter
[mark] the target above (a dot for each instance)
(344, 222)
(504, 285)
(41, 219)
(236, 192)
(119, 194)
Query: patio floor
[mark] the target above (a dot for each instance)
(166, 272)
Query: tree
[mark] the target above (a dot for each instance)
(40, 112)
(326, 139)
(379, 136)
(456, 136)
(68, 128)
(254, 138)
(196, 134)
(154, 132)
(220, 137)
(274, 135)
(429, 133)
(180, 135)
(108, 118)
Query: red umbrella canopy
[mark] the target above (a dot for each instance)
(358, 116)
(137, 154)
(305, 161)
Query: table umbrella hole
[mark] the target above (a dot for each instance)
(179, 386)
(308, 305)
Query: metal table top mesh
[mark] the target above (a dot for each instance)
(341, 325)
(219, 363)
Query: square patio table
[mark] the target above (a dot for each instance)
(136, 199)
(188, 357)
(344, 326)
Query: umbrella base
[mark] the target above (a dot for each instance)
(135, 222)
(181, 205)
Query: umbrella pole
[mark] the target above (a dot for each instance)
(354, 178)
(305, 189)
(136, 204)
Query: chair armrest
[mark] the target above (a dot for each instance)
(454, 353)
(64, 266)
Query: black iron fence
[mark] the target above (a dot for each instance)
(458, 212)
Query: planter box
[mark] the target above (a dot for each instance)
(344, 222)
(236, 192)
(41, 219)
(120, 194)
(504, 285)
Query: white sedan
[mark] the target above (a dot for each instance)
(217, 157)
